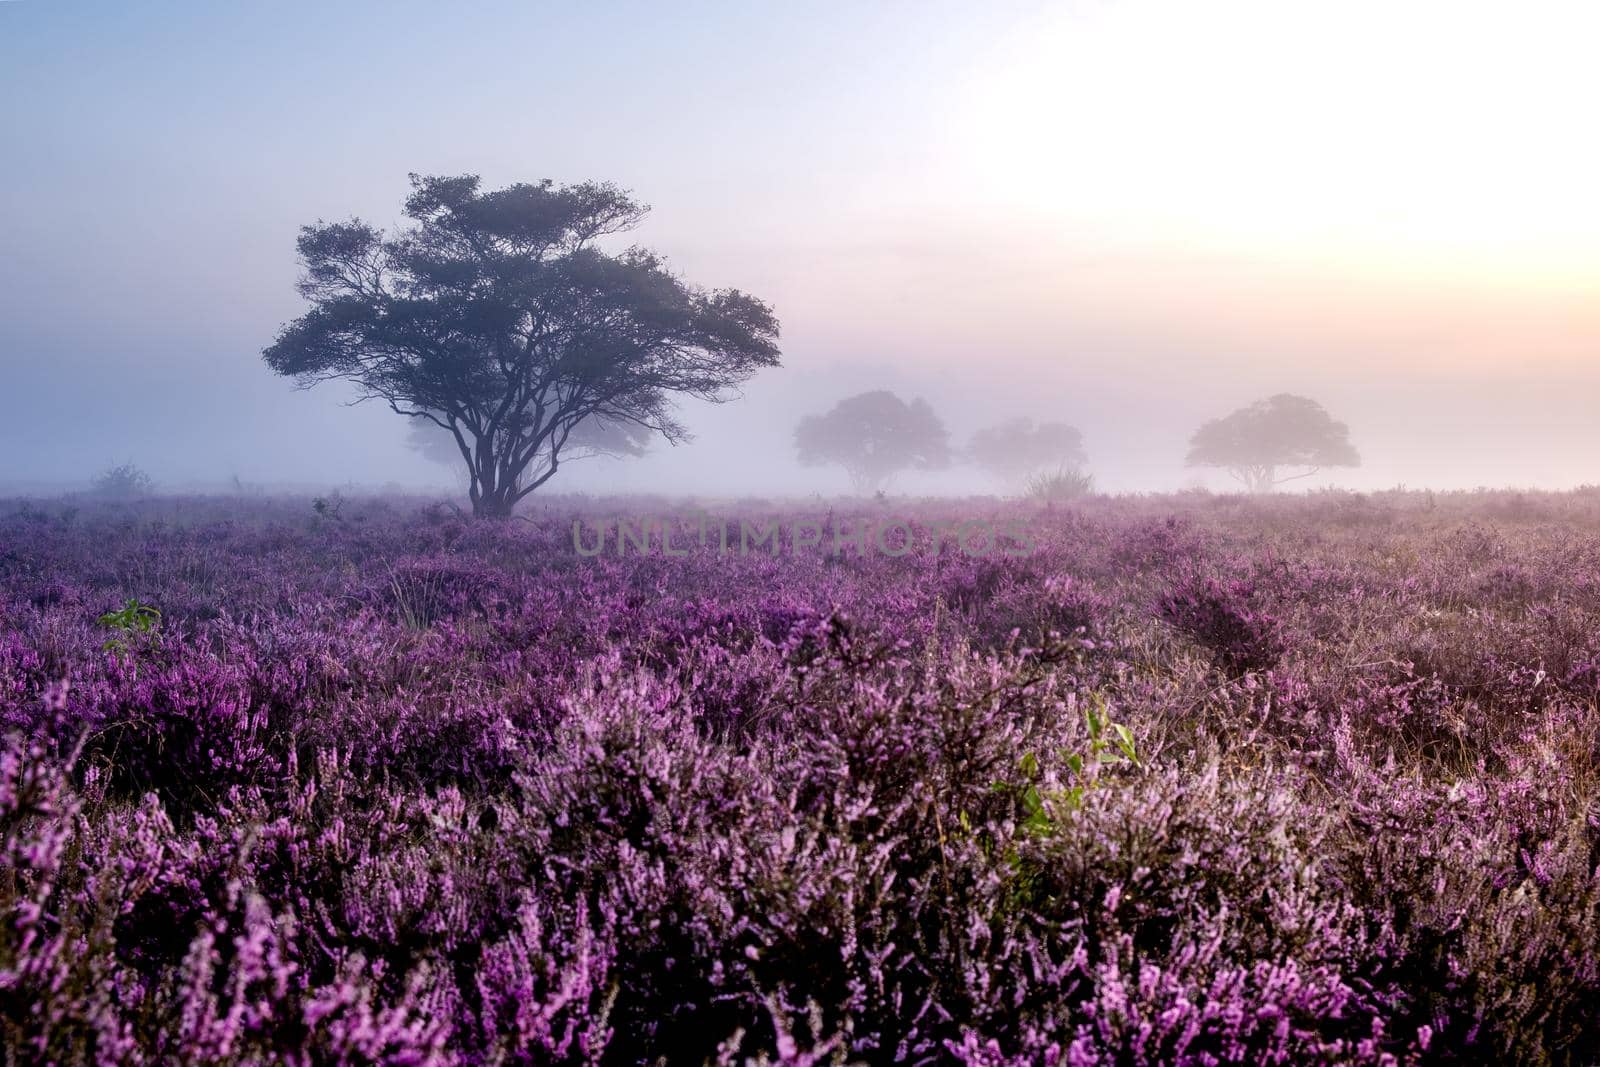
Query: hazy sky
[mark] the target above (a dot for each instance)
(1128, 215)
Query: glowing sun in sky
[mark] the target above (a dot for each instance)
(1407, 136)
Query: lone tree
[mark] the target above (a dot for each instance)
(1014, 450)
(1281, 431)
(497, 317)
(874, 436)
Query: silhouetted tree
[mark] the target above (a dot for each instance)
(1014, 450)
(497, 317)
(123, 482)
(1281, 431)
(874, 436)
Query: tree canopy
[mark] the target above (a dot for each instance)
(1013, 450)
(1285, 430)
(498, 317)
(874, 436)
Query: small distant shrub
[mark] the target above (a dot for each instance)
(329, 507)
(1062, 484)
(1516, 507)
(1476, 544)
(123, 482)
(1351, 510)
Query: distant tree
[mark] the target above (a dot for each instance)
(497, 317)
(874, 436)
(1285, 430)
(1014, 450)
(123, 482)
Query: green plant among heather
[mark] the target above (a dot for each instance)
(1047, 798)
(1110, 744)
(132, 624)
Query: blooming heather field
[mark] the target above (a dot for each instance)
(1199, 780)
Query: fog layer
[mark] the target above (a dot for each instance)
(1005, 212)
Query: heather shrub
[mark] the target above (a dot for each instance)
(424, 591)
(1509, 586)
(377, 789)
(1036, 609)
(1224, 618)
(1483, 902)
(181, 726)
(1350, 510)
(1156, 544)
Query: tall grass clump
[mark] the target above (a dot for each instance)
(1059, 486)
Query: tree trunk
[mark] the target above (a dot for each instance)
(867, 482)
(495, 505)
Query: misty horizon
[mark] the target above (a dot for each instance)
(900, 216)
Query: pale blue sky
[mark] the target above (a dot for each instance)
(1105, 212)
